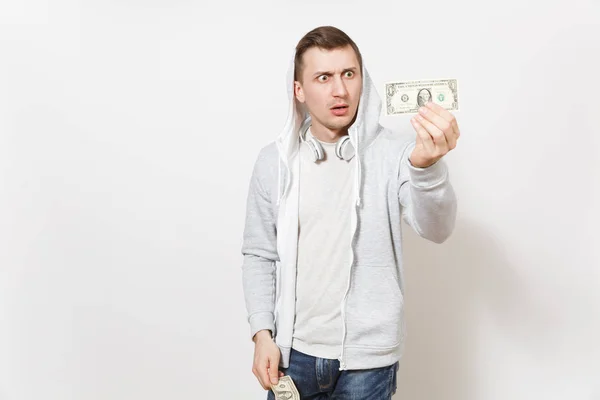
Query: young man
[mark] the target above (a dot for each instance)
(322, 271)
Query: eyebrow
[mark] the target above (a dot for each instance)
(319, 73)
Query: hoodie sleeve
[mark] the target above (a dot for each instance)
(427, 198)
(259, 250)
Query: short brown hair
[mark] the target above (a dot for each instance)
(324, 37)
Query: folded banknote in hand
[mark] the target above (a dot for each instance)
(285, 389)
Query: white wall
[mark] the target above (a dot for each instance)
(128, 130)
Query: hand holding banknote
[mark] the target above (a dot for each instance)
(266, 359)
(437, 134)
(431, 101)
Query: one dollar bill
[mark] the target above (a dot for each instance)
(285, 389)
(407, 97)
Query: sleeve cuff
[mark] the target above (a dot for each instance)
(259, 321)
(429, 176)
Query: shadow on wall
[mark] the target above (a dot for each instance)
(446, 287)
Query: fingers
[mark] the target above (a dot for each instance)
(440, 123)
(267, 371)
(438, 136)
(441, 130)
(439, 110)
(437, 133)
(260, 370)
(423, 135)
(455, 127)
(274, 370)
(445, 115)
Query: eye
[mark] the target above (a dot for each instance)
(349, 74)
(322, 76)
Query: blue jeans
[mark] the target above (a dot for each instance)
(320, 378)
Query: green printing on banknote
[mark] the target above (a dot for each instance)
(408, 96)
(285, 389)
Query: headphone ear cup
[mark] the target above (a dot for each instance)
(317, 149)
(344, 149)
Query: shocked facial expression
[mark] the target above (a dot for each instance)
(330, 87)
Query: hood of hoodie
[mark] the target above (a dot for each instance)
(362, 132)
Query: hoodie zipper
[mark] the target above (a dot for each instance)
(341, 359)
(354, 224)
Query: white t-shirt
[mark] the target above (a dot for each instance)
(324, 246)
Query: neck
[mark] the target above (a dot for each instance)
(327, 135)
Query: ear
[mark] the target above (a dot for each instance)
(298, 92)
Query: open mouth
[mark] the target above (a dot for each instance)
(339, 110)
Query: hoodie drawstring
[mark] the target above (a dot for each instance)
(358, 172)
(279, 180)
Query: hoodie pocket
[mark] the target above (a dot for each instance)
(374, 308)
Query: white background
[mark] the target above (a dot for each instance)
(128, 130)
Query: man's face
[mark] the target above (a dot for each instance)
(424, 95)
(330, 78)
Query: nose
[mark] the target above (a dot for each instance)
(339, 87)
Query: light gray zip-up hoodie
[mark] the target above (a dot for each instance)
(388, 189)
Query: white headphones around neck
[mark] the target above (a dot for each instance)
(344, 149)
